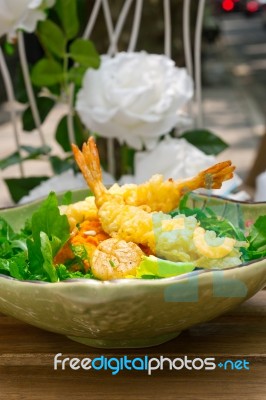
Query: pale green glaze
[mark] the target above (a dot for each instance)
(133, 313)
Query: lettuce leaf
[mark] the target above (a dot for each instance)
(50, 231)
(257, 239)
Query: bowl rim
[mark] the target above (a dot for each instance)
(89, 193)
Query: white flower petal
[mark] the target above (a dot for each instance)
(173, 159)
(22, 14)
(134, 97)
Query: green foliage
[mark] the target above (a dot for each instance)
(83, 52)
(45, 105)
(47, 72)
(12, 159)
(60, 165)
(205, 140)
(257, 239)
(20, 187)
(52, 38)
(67, 13)
(76, 73)
(209, 220)
(33, 153)
(29, 254)
(62, 136)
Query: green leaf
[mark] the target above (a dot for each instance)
(64, 273)
(52, 37)
(60, 165)
(205, 141)
(34, 152)
(48, 219)
(257, 235)
(62, 136)
(83, 52)
(12, 159)
(9, 48)
(6, 232)
(67, 198)
(154, 266)
(35, 258)
(47, 253)
(76, 73)
(50, 231)
(44, 105)
(15, 266)
(67, 13)
(47, 73)
(20, 187)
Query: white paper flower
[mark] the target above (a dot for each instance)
(21, 14)
(134, 97)
(173, 158)
(178, 159)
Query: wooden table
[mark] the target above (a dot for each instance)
(27, 355)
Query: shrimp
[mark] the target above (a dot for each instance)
(164, 196)
(118, 219)
(157, 194)
(134, 222)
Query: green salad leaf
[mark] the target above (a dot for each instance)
(209, 220)
(257, 239)
(50, 231)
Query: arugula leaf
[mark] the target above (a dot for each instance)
(257, 239)
(15, 266)
(47, 253)
(209, 220)
(257, 235)
(64, 273)
(50, 231)
(48, 219)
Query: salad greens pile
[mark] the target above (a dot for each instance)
(29, 254)
(255, 237)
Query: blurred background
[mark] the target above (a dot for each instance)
(233, 77)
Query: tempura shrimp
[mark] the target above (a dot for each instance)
(157, 194)
(160, 195)
(134, 223)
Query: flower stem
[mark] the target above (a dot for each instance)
(11, 99)
(26, 76)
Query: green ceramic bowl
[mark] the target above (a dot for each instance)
(133, 313)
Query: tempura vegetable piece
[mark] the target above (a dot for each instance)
(80, 211)
(209, 250)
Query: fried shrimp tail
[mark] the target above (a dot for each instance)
(89, 163)
(210, 178)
